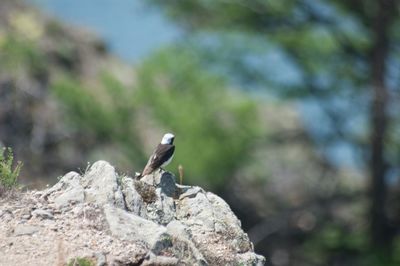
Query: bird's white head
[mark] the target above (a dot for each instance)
(168, 139)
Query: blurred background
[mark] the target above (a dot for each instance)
(287, 109)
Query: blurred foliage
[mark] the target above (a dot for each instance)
(27, 25)
(335, 242)
(106, 114)
(19, 56)
(8, 172)
(338, 57)
(215, 128)
(294, 49)
(35, 52)
(101, 115)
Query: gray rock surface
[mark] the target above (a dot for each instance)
(43, 214)
(117, 220)
(21, 230)
(128, 226)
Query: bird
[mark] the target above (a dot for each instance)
(161, 156)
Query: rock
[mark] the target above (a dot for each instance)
(100, 259)
(67, 190)
(124, 221)
(152, 197)
(177, 229)
(249, 258)
(101, 185)
(22, 229)
(165, 181)
(152, 259)
(26, 217)
(73, 195)
(42, 214)
(133, 200)
(128, 226)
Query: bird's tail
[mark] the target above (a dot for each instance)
(138, 175)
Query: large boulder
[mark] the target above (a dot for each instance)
(117, 220)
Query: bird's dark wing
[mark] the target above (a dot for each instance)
(162, 153)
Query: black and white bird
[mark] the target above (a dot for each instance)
(161, 156)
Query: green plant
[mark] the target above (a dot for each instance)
(80, 262)
(8, 175)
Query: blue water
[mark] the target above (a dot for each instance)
(130, 29)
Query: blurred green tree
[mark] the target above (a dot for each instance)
(103, 114)
(215, 127)
(343, 55)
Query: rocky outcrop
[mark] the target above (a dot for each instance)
(116, 220)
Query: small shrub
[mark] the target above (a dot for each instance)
(8, 175)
